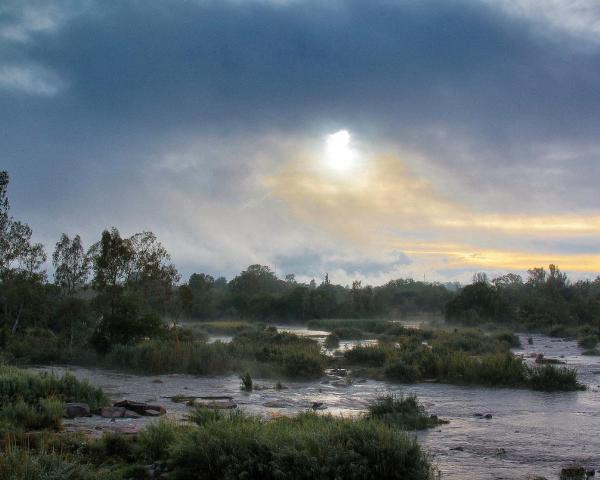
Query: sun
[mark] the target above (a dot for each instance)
(339, 154)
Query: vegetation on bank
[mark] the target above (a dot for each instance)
(32, 401)
(457, 356)
(213, 444)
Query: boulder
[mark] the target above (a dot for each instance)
(112, 412)
(73, 410)
(141, 408)
(219, 403)
(547, 361)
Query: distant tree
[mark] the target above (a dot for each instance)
(480, 277)
(537, 277)
(71, 264)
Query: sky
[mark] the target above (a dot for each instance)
(371, 139)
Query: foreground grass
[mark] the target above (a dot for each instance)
(303, 447)
(231, 446)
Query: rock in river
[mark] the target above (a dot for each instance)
(141, 408)
(73, 410)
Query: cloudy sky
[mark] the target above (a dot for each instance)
(368, 139)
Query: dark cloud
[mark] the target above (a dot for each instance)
(96, 97)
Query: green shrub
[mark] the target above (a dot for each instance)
(156, 439)
(17, 464)
(370, 355)
(349, 333)
(402, 412)
(551, 378)
(17, 383)
(588, 341)
(246, 382)
(307, 446)
(401, 371)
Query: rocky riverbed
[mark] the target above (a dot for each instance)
(493, 433)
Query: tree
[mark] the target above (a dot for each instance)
(71, 264)
(112, 257)
(20, 261)
(151, 273)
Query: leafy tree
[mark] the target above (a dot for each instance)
(21, 260)
(112, 257)
(125, 324)
(71, 264)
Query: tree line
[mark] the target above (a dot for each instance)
(122, 289)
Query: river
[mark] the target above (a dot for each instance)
(530, 433)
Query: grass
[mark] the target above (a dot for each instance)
(18, 384)
(246, 382)
(30, 400)
(260, 352)
(458, 359)
(306, 446)
(404, 412)
(550, 378)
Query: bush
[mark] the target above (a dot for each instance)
(17, 464)
(402, 412)
(401, 371)
(588, 342)
(307, 446)
(371, 355)
(349, 333)
(551, 378)
(156, 439)
(18, 384)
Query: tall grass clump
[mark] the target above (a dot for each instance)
(20, 464)
(19, 384)
(307, 446)
(404, 412)
(552, 378)
(157, 438)
(265, 352)
(163, 357)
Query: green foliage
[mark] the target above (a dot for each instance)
(303, 447)
(126, 324)
(332, 341)
(370, 355)
(263, 351)
(404, 412)
(18, 464)
(550, 378)
(156, 439)
(17, 384)
(163, 357)
(588, 342)
(246, 382)
(400, 371)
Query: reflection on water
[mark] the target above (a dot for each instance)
(530, 433)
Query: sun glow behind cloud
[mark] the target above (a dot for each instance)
(389, 207)
(339, 155)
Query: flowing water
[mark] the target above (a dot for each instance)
(530, 433)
